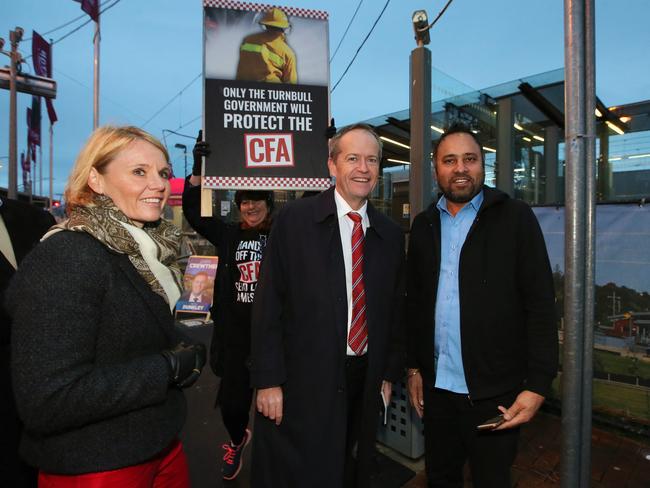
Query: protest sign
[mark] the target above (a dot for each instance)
(266, 97)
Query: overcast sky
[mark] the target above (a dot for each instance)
(151, 50)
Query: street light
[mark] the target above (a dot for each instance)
(184, 148)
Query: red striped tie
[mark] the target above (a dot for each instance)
(358, 336)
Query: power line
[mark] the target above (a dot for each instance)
(61, 26)
(362, 43)
(439, 15)
(171, 100)
(346, 30)
(178, 134)
(76, 28)
(66, 24)
(87, 22)
(103, 97)
(189, 122)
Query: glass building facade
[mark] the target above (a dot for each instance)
(521, 127)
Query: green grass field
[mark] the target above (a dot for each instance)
(617, 399)
(613, 363)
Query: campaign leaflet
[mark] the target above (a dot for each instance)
(198, 284)
(266, 103)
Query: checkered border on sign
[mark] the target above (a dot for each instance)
(265, 183)
(261, 7)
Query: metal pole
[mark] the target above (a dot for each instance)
(590, 240)
(185, 156)
(32, 176)
(51, 166)
(505, 146)
(574, 278)
(40, 168)
(51, 139)
(12, 190)
(420, 178)
(96, 78)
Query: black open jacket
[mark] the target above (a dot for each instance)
(507, 317)
(229, 330)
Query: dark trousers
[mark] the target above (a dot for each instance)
(355, 377)
(451, 438)
(235, 394)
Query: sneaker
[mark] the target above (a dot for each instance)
(233, 457)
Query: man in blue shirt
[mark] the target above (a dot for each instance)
(487, 344)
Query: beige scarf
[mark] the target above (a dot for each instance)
(153, 249)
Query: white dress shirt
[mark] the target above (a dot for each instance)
(346, 224)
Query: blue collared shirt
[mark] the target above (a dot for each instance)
(450, 374)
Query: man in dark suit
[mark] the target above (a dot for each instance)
(22, 226)
(196, 293)
(325, 339)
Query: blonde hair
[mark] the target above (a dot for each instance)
(100, 149)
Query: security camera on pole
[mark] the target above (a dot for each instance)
(420, 106)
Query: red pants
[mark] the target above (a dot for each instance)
(167, 470)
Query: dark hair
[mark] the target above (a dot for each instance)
(334, 141)
(255, 195)
(459, 128)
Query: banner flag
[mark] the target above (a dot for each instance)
(91, 7)
(266, 104)
(34, 122)
(42, 60)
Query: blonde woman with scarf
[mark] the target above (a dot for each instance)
(97, 364)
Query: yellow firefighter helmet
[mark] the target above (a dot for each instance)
(275, 18)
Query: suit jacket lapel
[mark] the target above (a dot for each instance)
(372, 265)
(330, 237)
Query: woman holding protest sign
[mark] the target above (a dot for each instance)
(240, 247)
(98, 366)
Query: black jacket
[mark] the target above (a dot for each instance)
(91, 385)
(507, 317)
(230, 329)
(25, 224)
(299, 336)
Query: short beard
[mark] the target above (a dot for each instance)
(464, 196)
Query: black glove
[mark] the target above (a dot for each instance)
(185, 363)
(201, 148)
(331, 130)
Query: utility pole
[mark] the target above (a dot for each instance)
(15, 81)
(15, 36)
(51, 167)
(51, 201)
(96, 78)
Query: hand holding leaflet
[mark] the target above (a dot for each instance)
(385, 392)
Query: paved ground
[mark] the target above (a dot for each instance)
(617, 461)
